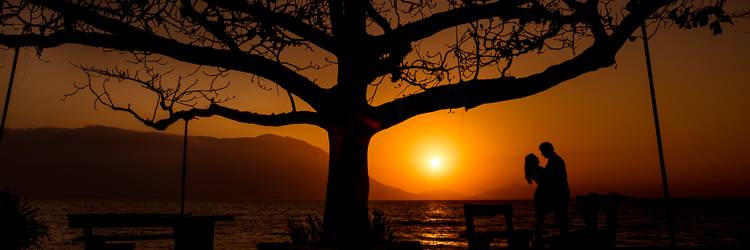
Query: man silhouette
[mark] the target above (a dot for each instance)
(556, 178)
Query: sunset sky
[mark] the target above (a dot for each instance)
(601, 123)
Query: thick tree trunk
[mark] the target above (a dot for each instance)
(346, 220)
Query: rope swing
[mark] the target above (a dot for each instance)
(7, 95)
(662, 165)
(184, 168)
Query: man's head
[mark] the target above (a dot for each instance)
(547, 149)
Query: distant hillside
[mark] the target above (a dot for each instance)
(98, 161)
(510, 192)
(442, 195)
(526, 192)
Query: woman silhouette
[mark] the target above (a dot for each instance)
(532, 169)
(542, 206)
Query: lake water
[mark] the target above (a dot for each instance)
(436, 224)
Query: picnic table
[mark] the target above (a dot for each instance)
(188, 231)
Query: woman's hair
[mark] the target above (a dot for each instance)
(531, 159)
(531, 164)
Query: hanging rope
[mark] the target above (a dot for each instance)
(662, 165)
(184, 168)
(7, 95)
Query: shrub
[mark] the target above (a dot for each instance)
(381, 228)
(309, 231)
(306, 232)
(19, 226)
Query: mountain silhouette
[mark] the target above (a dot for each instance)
(105, 162)
(442, 194)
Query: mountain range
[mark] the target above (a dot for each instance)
(106, 162)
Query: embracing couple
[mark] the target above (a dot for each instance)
(552, 193)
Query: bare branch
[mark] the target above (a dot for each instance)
(185, 95)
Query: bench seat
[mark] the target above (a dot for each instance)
(125, 237)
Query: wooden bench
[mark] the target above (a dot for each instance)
(481, 240)
(188, 232)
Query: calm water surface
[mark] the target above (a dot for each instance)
(436, 224)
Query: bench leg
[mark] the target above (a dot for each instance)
(194, 235)
(120, 246)
(94, 244)
(479, 243)
(90, 243)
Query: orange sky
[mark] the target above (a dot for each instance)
(600, 123)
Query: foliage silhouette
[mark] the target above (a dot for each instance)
(306, 232)
(373, 45)
(381, 228)
(19, 226)
(310, 232)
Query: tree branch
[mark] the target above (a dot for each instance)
(431, 25)
(397, 43)
(184, 95)
(128, 38)
(285, 77)
(377, 18)
(214, 28)
(591, 10)
(473, 93)
(298, 117)
(290, 23)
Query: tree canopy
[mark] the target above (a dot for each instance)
(372, 44)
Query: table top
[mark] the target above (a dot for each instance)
(139, 220)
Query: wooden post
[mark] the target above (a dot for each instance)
(7, 95)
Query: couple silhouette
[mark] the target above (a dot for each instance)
(552, 193)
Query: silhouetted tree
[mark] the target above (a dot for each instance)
(371, 44)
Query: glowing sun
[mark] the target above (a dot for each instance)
(436, 164)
